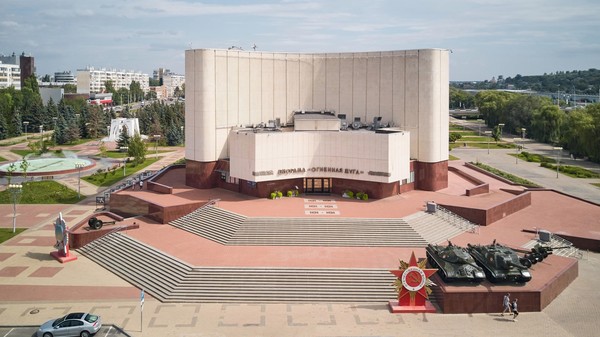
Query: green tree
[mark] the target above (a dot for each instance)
(454, 136)
(137, 149)
(491, 104)
(124, 138)
(578, 129)
(546, 124)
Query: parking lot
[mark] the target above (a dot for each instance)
(29, 331)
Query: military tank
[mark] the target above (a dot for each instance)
(454, 263)
(499, 263)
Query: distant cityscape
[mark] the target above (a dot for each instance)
(89, 82)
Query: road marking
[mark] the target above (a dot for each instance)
(109, 328)
(8, 333)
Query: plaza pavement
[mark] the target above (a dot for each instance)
(25, 259)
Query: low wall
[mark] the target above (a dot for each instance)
(485, 217)
(81, 234)
(487, 297)
(481, 186)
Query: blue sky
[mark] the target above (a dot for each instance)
(487, 37)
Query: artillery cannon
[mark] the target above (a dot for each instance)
(536, 254)
(96, 223)
(499, 263)
(454, 263)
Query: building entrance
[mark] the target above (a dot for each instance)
(317, 185)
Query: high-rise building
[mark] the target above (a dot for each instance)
(91, 80)
(23, 63)
(169, 79)
(64, 77)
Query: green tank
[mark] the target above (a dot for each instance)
(454, 263)
(500, 263)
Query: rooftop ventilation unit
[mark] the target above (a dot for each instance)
(357, 123)
(343, 122)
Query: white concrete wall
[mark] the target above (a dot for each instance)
(229, 88)
(352, 153)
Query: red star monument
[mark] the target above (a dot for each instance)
(412, 286)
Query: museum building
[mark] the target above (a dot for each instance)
(372, 122)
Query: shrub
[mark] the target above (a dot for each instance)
(365, 196)
(273, 195)
(279, 194)
(290, 193)
(349, 193)
(359, 195)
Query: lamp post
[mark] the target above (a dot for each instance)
(558, 151)
(488, 134)
(54, 132)
(42, 136)
(79, 166)
(26, 123)
(517, 145)
(183, 134)
(15, 192)
(124, 149)
(156, 139)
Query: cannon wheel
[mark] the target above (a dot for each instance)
(95, 223)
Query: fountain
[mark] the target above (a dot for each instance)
(48, 164)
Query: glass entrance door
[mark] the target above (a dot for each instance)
(317, 185)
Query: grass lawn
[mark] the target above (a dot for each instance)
(21, 153)
(108, 178)
(3, 159)
(508, 176)
(492, 145)
(451, 157)
(596, 184)
(476, 138)
(7, 233)
(42, 192)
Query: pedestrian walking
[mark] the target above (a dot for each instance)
(515, 309)
(506, 304)
(141, 184)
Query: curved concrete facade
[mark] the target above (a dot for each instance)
(227, 89)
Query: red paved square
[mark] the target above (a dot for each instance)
(11, 271)
(45, 272)
(5, 256)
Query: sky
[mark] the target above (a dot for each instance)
(487, 38)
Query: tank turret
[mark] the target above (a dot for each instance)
(499, 263)
(454, 263)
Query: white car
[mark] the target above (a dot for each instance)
(75, 324)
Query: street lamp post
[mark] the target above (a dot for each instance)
(488, 133)
(54, 132)
(501, 125)
(183, 134)
(522, 142)
(26, 123)
(42, 135)
(558, 151)
(79, 166)
(15, 192)
(124, 149)
(156, 139)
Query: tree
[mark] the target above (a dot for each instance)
(137, 149)
(546, 124)
(124, 138)
(454, 136)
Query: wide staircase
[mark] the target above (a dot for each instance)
(171, 280)
(432, 227)
(233, 229)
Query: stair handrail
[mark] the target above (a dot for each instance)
(456, 220)
(575, 252)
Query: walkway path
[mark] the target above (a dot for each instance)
(502, 160)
